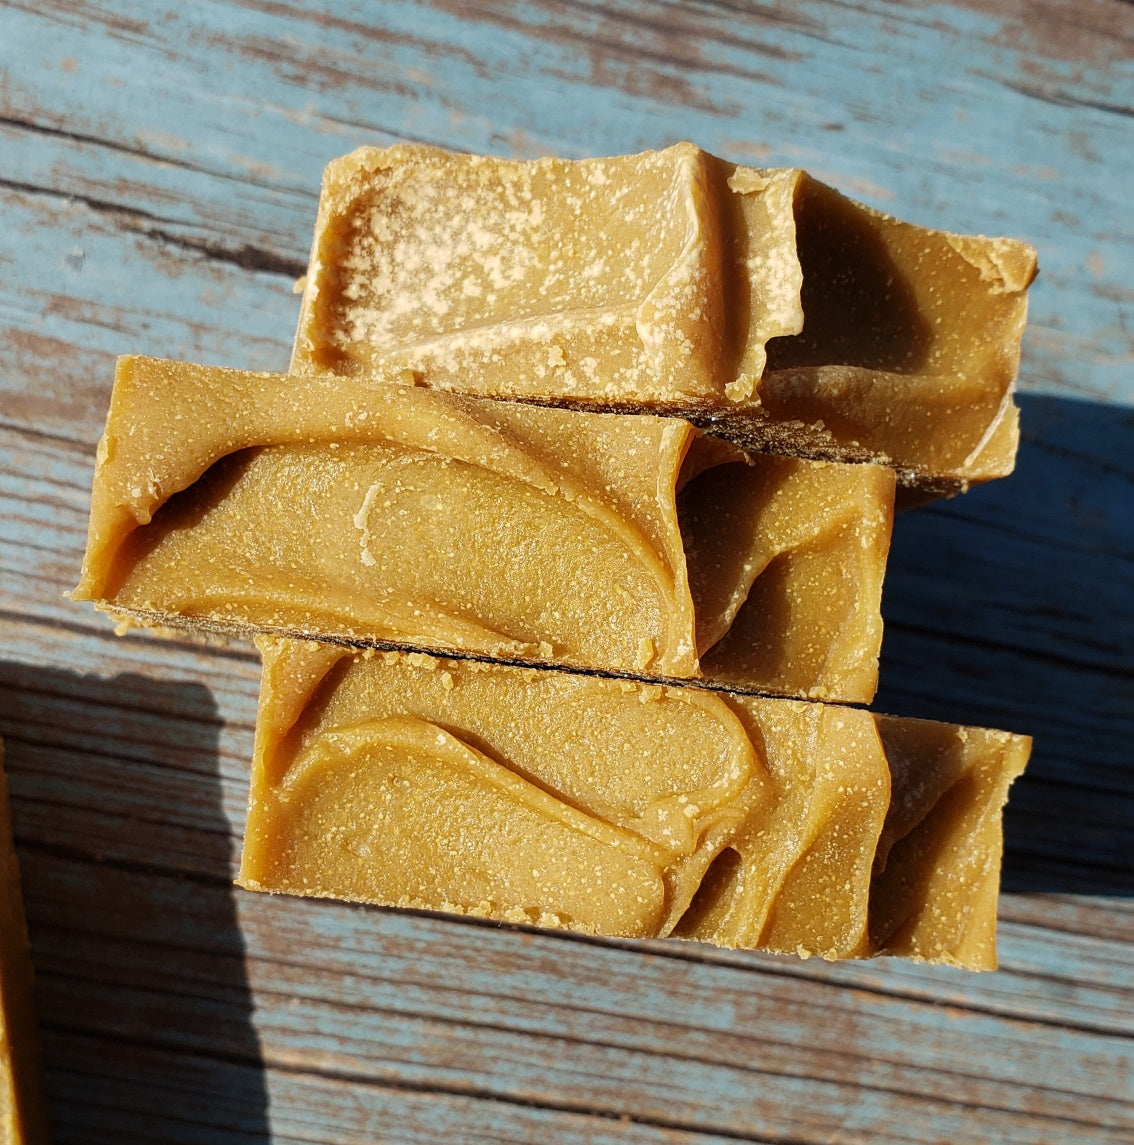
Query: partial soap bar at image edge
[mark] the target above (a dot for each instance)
(625, 809)
(393, 515)
(760, 303)
(22, 1117)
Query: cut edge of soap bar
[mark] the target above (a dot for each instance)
(22, 1113)
(918, 803)
(937, 870)
(798, 529)
(923, 330)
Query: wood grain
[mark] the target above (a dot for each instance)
(160, 175)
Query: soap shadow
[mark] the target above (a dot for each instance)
(859, 308)
(1013, 606)
(144, 1004)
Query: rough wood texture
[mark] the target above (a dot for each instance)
(160, 174)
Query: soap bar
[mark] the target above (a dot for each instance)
(761, 303)
(397, 515)
(624, 808)
(21, 1109)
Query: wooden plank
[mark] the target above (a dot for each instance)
(105, 292)
(727, 1050)
(336, 975)
(216, 1104)
(1021, 173)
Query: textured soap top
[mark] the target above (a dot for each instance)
(599, 278)
(627, 809)
(762, 301)
(395, 515)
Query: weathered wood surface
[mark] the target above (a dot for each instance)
(158, 185)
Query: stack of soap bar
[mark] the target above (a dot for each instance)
(761, 302)
(21, 1112)
(619, 416)
(623, 808)
(395, 515)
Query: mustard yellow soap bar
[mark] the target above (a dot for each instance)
(762, 303)
(934, 880)
(21, 1110)
(396, 515)
(623, 808)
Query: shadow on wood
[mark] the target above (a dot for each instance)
(126, 857)
(1014, 606)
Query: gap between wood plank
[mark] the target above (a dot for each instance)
(244, 179)
(246, 256)
(391, 1085)
(1061, 99)
(466, 1022)
(285, 1064)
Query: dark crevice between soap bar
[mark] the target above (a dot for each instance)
(722, 500)
(858, 307)
(715, 894)
(900, 890)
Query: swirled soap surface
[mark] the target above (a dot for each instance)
(623, 808)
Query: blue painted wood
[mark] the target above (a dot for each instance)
(226, 146)
(158, 186)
